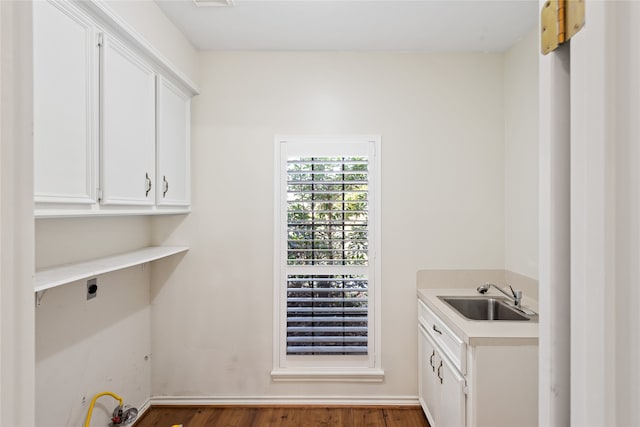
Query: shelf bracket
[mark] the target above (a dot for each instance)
(39, 296)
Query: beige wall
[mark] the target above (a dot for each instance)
(521, 156)
(85, 347)
(441, 122)
(146, 18)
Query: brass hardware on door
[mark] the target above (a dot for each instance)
(166, 186)
(559, 21)
(148, 180)
(575, 17)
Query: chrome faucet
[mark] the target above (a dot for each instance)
(516, 295)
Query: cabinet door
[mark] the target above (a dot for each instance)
(452, 396)
(65, 59)
(428, 386)
(174, 117)
(127, 90)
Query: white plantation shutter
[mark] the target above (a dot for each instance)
(327, 314)
(326, 260)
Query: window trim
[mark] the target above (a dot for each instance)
(321, 368)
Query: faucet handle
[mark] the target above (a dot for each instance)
(517, 296)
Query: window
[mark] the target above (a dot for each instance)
(326, 314)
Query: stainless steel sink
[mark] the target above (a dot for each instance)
(486, 308)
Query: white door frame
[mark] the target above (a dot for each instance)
(589, 373)
(553, 245)
(605, 216)
(590, 251)
(17, 323)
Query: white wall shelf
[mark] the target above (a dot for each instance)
(48, 278)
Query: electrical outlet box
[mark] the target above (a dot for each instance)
(92, 288)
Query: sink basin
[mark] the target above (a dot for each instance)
(485, 308)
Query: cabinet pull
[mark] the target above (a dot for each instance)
(431, 361)
(146, 194)
(439, 368)
(166, 186)
(437, 330)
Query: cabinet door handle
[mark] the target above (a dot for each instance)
(433, 354)
(439, 368)
(146, 194)
(437, 330)
(166, 186)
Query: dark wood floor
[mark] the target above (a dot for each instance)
(289, 416)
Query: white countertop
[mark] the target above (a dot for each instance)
(481, 332)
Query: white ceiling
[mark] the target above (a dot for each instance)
(355, 25)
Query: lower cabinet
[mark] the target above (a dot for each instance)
(477, 383)
(441, 385)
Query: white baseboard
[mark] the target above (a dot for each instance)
(286, 400)
(144, 407)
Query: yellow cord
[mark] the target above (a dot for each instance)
(93, 402)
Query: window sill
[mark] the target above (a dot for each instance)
(328, 375)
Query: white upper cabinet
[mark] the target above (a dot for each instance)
(111, 117)
(65, 96)
(127, 94)
(174, 115)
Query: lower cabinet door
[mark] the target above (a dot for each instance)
(429, 385)
(452, 396)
